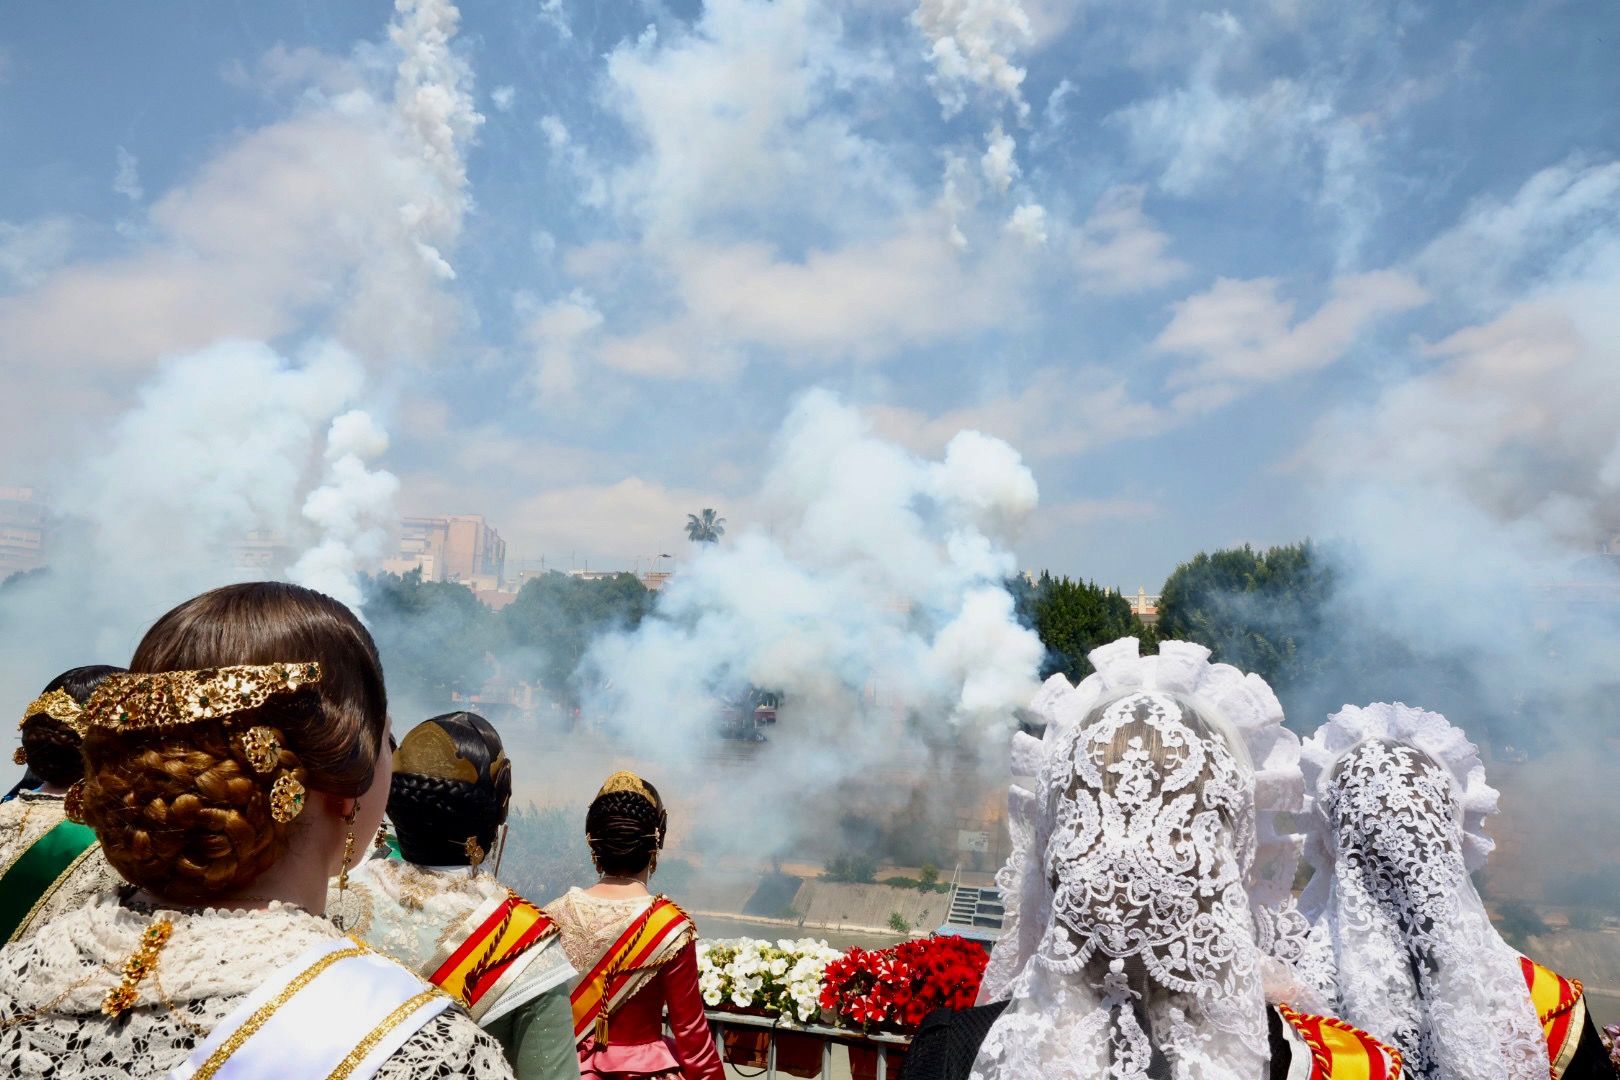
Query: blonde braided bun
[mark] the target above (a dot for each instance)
(180, 810)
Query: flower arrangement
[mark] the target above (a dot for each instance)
(748, 975)
(895, 988)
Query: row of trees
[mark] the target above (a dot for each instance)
(438, 639)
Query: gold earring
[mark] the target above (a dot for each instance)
(348, 848)
(381, 843)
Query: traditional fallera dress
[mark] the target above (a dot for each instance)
(501, 956)
(48, 865)
(114, 990)
(637, 956)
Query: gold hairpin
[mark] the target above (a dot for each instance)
(178, 698)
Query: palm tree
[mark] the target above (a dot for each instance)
(705, 528)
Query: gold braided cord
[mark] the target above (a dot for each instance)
(177, 698)
(58, 705)
(352, 1060)
(250, 1027)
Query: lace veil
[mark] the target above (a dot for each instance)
(1400, 799)
(1131, 946)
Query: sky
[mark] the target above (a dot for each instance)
(1218, 272)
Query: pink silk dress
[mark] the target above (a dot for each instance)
(637, 1047)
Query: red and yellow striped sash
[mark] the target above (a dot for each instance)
(650, 941)
(477, 964)
(1561, 1010)
(1340, 1051)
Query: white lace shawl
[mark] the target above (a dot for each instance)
(52, 987)
(412, 912)
(1400, 796)
(1133, 944)
(24, 820)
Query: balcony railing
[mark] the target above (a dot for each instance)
(880, 1045)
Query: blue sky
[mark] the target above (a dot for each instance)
(1217, 271)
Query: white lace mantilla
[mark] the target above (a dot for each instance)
(1419, 964)
(23, 821)
(1135, 855)
(1246, 713)
(52, 987)
(419, 914)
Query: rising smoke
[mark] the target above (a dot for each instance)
(872, 601)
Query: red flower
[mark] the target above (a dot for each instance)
(898, 986)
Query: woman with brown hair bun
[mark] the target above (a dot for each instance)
(441, 911)
(236, 769)
(636, 951)
(49, 864)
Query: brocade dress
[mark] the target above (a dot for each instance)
(637, 1047)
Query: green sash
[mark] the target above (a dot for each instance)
(36, 871)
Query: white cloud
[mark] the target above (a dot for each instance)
(551, 11)
(999, 162)
(1028, 223)
(31, 250)
(127, 178)
(338, 217)
(502, 98)
(557, 334)
(1057, 413)
(1241, 332)
(972, 45)
(1120, 249)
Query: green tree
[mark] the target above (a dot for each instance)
(1074, 617)
(705, 527)
(1261, 611)
(555, 618)
(435, 639)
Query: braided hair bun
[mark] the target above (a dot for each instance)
(179, 808)
(52, 745)
(625, 825)
(452, 782)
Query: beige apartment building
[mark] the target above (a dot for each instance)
(457, 547)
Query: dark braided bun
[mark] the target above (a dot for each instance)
(179, 810)
(625, 830)
(434, 815)
(52, 745)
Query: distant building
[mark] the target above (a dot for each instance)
(263, 554)
(22, 530)
(1144, 606)
(458, 547)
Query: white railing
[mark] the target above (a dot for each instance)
(829, 1037)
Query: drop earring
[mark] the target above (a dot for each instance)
(348, 848)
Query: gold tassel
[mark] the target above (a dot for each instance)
(602, 1026)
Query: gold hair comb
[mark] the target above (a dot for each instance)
(179, 698)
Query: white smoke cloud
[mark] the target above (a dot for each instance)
(353, 508)
(872, 600)
(972, 45)
(998, 163)
(127, 180)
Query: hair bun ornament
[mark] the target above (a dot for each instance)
(58, 705)
(1427, 732)
(168, 699)
(19, 756)
(286, 798)
(262, 749)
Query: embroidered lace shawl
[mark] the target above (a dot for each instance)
(52, 986)
(411, 913)
(589, 924)
(1401, 798)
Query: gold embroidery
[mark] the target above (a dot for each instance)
(352, 1060)
(252, 1024)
